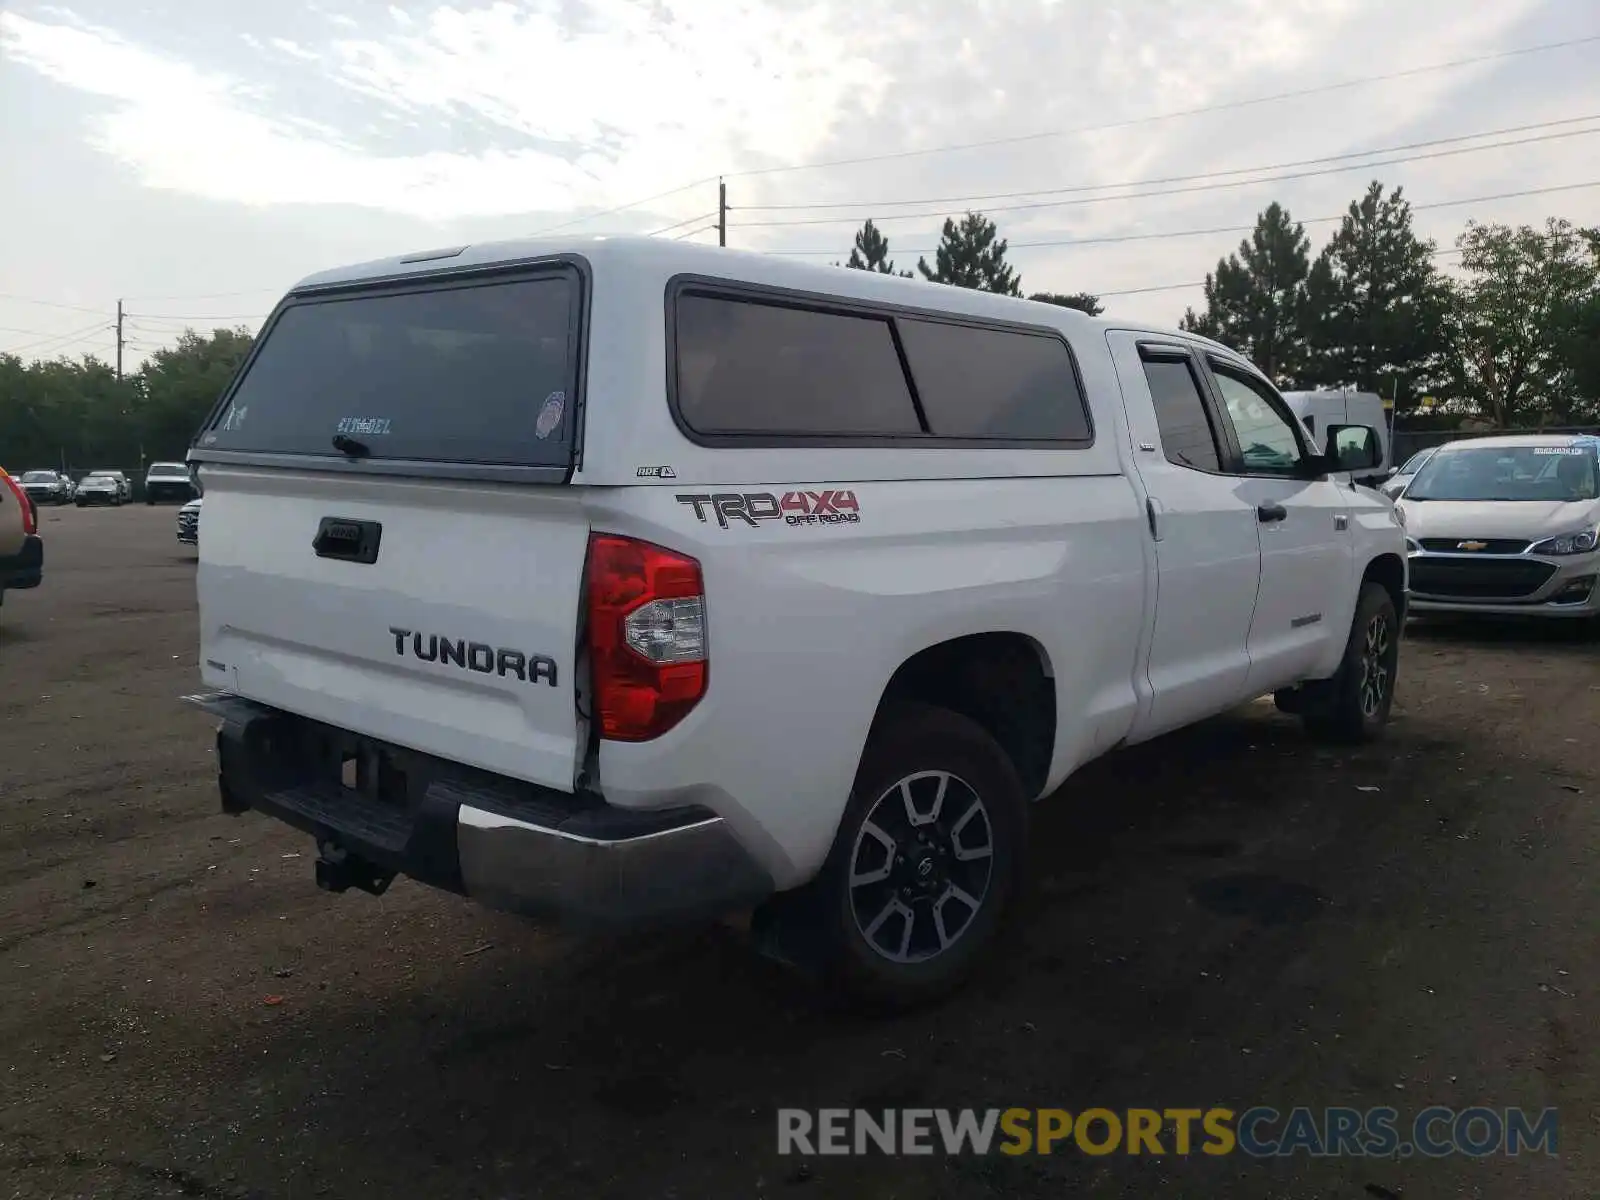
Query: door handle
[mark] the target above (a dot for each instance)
(1268, 513)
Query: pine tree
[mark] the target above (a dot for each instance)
(970, 255)
(1255, 301)
(871, 253)
(1082, 301)
(1376, 306)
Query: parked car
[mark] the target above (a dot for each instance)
(124, 484)
(189, 523)
(1508, 526)
(99, 488)
(1397, 483)
(47, 487)
(845, 572)
(21, 548)
(165, 482)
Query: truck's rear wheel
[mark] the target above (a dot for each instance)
(925, 862)
(1355, 705)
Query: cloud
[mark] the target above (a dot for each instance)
(634, 95)
(490, 117)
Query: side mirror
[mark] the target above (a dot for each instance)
(1353, 448)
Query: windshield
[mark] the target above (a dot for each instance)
(1547, 473)
(39, 477)
(1414, 463)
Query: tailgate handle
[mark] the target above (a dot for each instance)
(348, 540)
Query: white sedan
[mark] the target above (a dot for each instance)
(1506, 525)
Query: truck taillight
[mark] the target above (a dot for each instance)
(647, 636)
(30, 517)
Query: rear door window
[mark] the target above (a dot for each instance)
(479, 372)
(1187, 436)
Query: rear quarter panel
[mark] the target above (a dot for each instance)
(808, 622)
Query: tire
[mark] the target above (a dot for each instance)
(149, 499)
(1355, 705)
(938, 788)
(83, 504)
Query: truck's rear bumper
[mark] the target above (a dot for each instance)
(508, 844)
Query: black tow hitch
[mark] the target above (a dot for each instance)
(338, 871)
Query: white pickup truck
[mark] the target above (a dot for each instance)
(626, 580)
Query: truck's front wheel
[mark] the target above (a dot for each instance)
(1356, 702)
(925, 862)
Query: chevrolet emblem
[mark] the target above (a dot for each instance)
(1472, 545)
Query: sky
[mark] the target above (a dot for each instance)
(194, 158)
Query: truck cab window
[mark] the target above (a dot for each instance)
(1187, 438)
(1267, 441)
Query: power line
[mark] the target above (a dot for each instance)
(1178, 191)
(58, 341)
(200, 317)
(705, 216)
(51, 304)
(1128, 183)
(211, 295)
(1225, 106)
(693, 232)
(606, 212)
(1219, 229)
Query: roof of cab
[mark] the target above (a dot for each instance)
(663, 258)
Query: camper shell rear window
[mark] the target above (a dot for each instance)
(479, 370)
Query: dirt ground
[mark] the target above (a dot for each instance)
(1227, 916)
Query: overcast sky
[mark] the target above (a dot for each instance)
(196, 157)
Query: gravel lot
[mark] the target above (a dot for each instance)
(1227, 916)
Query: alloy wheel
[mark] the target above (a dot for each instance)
(921, 866)
(1377, 675)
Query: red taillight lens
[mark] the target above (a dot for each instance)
(30, 518)
(647, 637)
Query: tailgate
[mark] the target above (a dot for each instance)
(391, 546)
(439, 616)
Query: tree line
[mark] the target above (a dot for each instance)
(78, 416)
(1513, 338)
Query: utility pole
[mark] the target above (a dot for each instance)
(722, 213)
(119, 339)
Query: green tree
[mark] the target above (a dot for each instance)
(65, 413)
(871, 252)
(972, 255)
(181, 383)
(1082, 301)
(1579, 345)
(1375, 305)
(1256, 298)
(1516, 326)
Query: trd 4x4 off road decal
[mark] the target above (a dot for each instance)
(792, 508)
